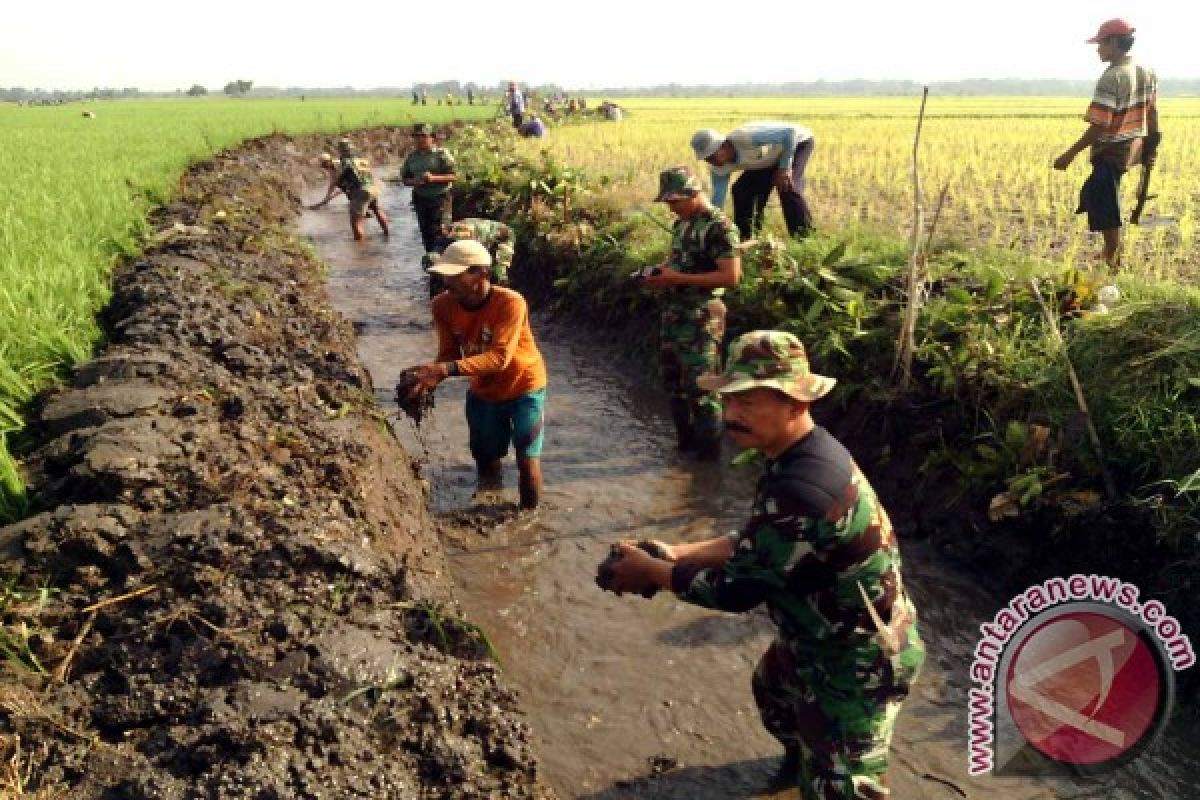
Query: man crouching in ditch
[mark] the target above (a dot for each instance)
(352, 175)
(483, 334)
(820, 552)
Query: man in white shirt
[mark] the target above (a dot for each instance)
(514, 104)
(771, 155)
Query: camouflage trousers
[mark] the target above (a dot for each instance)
(690, 346)
(836, 707)
(432, 214)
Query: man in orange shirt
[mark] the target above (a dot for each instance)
(483, 334)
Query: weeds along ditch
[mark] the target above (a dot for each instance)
(988, 448)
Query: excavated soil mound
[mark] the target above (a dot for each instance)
(249, 599)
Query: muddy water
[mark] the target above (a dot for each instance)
(631, 697)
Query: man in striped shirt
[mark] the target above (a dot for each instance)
(1122, 113)
(773, 155)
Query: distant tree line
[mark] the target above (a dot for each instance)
(1172, 87)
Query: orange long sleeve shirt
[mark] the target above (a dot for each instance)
(492, 345)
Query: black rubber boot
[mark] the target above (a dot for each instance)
(788, 774)
(681, 415)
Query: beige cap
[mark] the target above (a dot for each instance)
(459, 257)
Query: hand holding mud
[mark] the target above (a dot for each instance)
(412, 395)
(627, 567)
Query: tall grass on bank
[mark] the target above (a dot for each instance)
(74, 193)
(983, 348)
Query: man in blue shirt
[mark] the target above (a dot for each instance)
(772, 155)
(533, 127)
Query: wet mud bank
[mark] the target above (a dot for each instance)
(246, 597)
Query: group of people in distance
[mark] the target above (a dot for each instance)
(516, 107)
(818, 548)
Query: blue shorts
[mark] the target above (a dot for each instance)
(494, 425)
(1100, 197)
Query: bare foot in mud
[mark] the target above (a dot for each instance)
(489, 483)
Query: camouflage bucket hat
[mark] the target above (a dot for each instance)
(677, 182)
(422, 129)
(768, 360)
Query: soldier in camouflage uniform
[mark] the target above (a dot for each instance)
(820, 552)
(351, 174)
(492, 234)
(431, 172)
(703, 262)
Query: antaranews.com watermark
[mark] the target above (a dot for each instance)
(1073, 675)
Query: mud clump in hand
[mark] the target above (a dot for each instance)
(412, 400)
(604, 572)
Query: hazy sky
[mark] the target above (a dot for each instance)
(159, 45)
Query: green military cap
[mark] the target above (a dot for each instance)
(768, 360)
(422, 129)
(677, 182)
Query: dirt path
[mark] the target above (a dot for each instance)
(631, 698)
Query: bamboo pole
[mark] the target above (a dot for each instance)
(906, 343)
(1110, 487)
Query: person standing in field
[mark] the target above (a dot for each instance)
(770, 155)
(483, 334)
(514, 104)
(430, 171)
(1122, 131)
(702, 263)
(351, 174)
(820, 552)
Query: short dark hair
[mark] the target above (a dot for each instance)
(1124, 42)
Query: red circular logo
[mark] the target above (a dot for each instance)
(1084, 688)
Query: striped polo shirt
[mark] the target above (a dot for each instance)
(1121, 104)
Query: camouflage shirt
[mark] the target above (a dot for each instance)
(817, 533)
(355, 174)
(437, 161)
(696, 244)
(492, 234)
